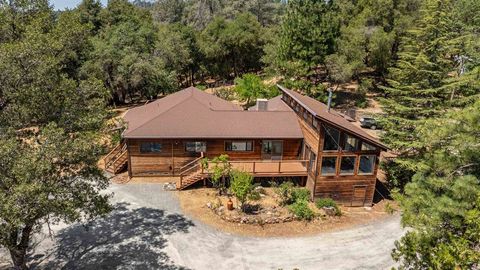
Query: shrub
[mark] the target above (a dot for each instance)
(301, 209)
(241, 186)
(284, 192)
(300, 194)
(389, 208)
(327, 202)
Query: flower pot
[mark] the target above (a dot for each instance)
(230, 205)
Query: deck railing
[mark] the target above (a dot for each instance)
(271, 167)
(191, 167)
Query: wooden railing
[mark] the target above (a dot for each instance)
(113, 155)
(190, 167)
(274, 167)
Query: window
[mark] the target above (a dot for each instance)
(331, 139)
(347, 165)
(305, 114)
(150, 147)
(367, 164)
(196, 147)
(329, 165)
(368, 147)
(311, 161)
(315, 124)
(239, 146)
(297, 107)
(350, 144)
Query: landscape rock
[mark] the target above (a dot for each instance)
(170, 186)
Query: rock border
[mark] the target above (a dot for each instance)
(220, 212)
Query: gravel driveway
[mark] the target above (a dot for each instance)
(148, 231)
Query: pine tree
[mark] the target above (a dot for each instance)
(442, 203)
(418, 86)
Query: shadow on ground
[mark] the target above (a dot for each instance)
(125, 239)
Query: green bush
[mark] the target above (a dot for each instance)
(327, 202)
(300, 194)
(241, 186)
(301, 209)
(284, 192)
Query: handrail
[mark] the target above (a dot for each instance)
(269, 161)
(193, 161)
(113, 154)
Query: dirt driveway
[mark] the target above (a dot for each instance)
(148, 231)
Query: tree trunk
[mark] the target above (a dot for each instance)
(19, 251)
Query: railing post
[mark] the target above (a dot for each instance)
(253, 169)
(279, 166)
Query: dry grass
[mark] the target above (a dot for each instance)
(193, 203)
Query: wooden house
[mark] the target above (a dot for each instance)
(288, 136)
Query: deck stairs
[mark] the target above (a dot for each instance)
(117, 159)
(192, 173)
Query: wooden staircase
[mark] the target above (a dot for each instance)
(117, 159)
(191, 173)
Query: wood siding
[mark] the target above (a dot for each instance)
(345, 189)
(173, 155)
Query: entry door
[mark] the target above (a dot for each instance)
(272, 149)
(359, 194)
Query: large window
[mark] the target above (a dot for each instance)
(196, 147)
(331, 139)
(367, 164)
(239, 146)
(150, 147)
(368, 147)
(350, 144)
(347, 165)
(329, 165)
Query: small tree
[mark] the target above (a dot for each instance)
(221, 168)
(241, 186)
(250, 87)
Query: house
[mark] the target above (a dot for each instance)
(291, 135)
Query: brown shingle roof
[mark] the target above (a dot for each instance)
(192, 113)
(331, 117)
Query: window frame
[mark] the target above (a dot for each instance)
(341, 162)
(346, 136)
(336, 166)
(324, 127)
(150, 147)
(195, 142)
(241, 141)
(373, 164)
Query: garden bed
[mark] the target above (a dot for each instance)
(203, 204)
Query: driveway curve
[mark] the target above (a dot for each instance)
(148, 230)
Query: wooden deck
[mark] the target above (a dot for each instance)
(272, 168)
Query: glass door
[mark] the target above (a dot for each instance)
(272, 149)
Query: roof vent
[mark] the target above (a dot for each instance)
(262, 104)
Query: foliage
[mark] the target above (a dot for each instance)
(284, 192)
(288, 194)
(50, 121)
(301, 209)
(251, 87)
(232, 46)
(420, 86)
(225, 93)
(219, 170)
(441, 204)
(241, 185)
(301, 194)
(308, 32)
(328, 202)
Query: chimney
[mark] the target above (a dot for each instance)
(329, 104)
(262, 104)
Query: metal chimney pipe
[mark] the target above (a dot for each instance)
(329, 104)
